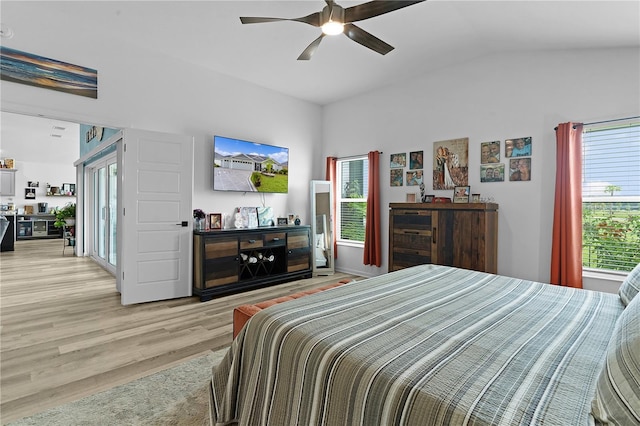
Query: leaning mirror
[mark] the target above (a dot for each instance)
(321, 227)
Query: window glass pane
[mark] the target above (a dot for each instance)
(353, 176)
(611, 198)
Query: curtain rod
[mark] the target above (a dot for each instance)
(605, 121)
(609, 121)
(355, 156)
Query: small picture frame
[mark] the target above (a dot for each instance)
(414, 177)
(215, 221)
(461, 194)
(475, 198)
(292, 218)
(411, 197)
(66, 189)
(492, 172)
(395, 177)
(415, 160)
(398, 160)
(518, 147)
(283, 221)
(30, 193)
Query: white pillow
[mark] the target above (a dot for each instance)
(617, 399)
(630, 286)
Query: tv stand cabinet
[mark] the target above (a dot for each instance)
(232, 260)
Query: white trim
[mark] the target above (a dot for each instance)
(600, 274)
(349, 243)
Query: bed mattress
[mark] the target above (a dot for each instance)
(427, 345)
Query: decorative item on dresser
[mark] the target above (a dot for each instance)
(231, 260)
(464, 235)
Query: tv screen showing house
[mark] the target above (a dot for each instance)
(246, 166)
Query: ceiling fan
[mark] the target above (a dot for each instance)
(333, 19)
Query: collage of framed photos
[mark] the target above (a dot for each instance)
(412, 177)
(517, 154)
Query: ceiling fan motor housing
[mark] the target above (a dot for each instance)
(333, 13)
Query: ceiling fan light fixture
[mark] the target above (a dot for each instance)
(332, 27)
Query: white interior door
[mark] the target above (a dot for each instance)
(155, 224)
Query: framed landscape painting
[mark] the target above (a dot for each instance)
(33, 70)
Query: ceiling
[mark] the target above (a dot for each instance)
(426, 36)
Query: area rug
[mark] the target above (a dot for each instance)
(176, 396)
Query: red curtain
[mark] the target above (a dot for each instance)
(372, 246)
(331, 177)
(566, 248)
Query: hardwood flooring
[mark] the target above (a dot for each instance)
(65, 335)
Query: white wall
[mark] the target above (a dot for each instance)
(150, 91)
(491, 98)
(496, 97)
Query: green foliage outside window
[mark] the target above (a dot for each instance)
(353, 230)
(611, 235)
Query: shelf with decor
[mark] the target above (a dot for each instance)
(231, 260)
(34, 226)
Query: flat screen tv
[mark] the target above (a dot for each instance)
(246, 166)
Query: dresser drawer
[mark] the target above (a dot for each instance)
(275, 239)
(251, 241)
(412, 219)
(412, 238)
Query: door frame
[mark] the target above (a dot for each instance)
(89, 177)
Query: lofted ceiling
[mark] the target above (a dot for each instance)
(426, 36)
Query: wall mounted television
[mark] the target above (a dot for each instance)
(245, 166)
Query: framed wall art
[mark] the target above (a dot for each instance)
(520, 169)
(490, 152)
(518, 147)
(416, 160)
(492, 172)
(451, 163)
(33, 70)
(395, 177)
(398, 161)
(414, 177)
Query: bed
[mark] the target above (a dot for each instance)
(435, 345)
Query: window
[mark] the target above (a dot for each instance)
(353, 188)
(611, 197)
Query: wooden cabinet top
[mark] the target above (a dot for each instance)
(445, 206)
(287, 228)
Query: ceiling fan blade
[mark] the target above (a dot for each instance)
(367, 40)
(312, 19)
(374, 8)
(310, 50)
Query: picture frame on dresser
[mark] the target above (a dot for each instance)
(461, 194)
(215, 221)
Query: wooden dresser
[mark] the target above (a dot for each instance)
(233, 260)
(464, 235)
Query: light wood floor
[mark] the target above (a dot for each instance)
(65, 335)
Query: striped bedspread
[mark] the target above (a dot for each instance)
(427, 345)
